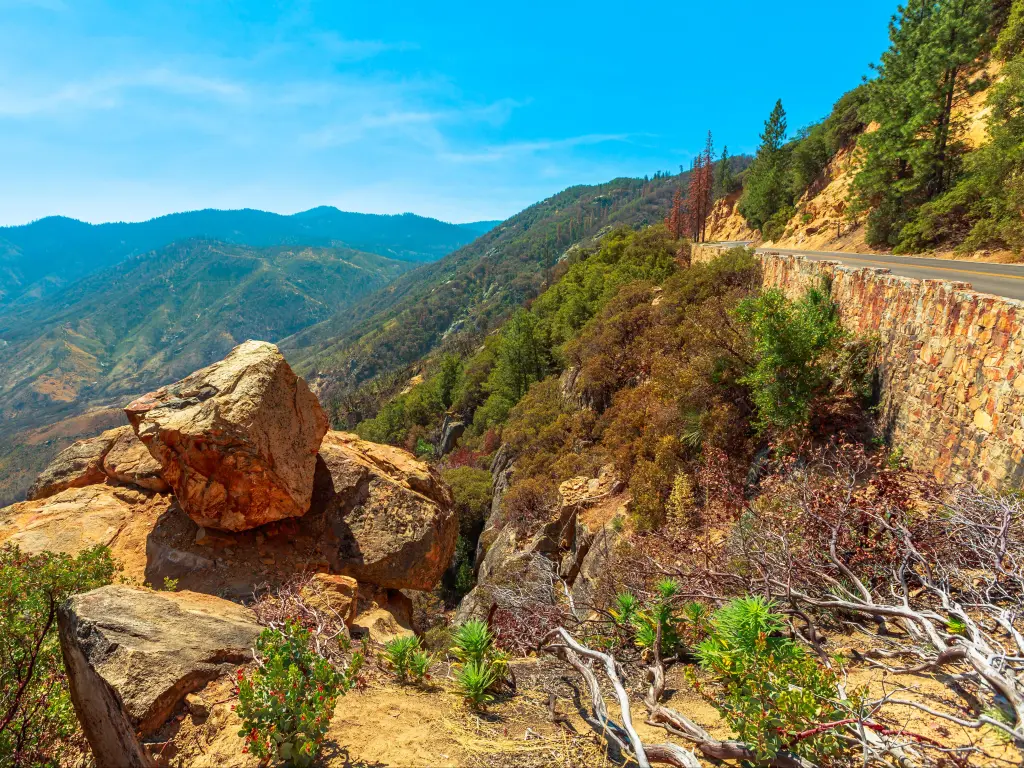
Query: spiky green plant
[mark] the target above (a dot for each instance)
(407, 659)
(625, 610)
(482, 665)
(474, 681)
(473, 642)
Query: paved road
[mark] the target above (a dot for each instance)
(999, 279)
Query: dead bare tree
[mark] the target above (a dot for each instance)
(937, 579)
(624, 737)
(305, 600)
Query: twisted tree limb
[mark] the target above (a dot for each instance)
(564, 646)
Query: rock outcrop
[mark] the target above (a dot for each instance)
(79, 518)
(237, 440)
(451, 430)
(572, 545)
(502, 470)
(334, 594)
(128, 461)
(384, 615)
(116, 455)
(389, 519)
(132, 655)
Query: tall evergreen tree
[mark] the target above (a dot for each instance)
(916, 152)
(766, 188)
(725, 182)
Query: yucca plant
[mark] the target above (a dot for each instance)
(482, 665)
(419, 665)
(625, 610)
(473, 641)
(474, 681)
(407, 659)
(660, 614)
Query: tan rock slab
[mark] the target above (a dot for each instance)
(133, 655)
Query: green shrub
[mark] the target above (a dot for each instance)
(437, 639)
(36, 716)
(795, 344)
(773, 689)
(407, 659)
(474, 682)
(287, 703)
(775, 227)
(482, 665)
(471, 491)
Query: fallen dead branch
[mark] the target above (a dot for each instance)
(625, 738)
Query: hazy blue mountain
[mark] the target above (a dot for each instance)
(71, 359)
(38, 258)
(480, 227)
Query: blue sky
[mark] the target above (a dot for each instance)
(462, 111)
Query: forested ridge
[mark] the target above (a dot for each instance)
(462, 297)
(925, 177)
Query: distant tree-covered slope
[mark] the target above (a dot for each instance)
(480, 227)
(157, 317)
(471, 289)
(38, 258)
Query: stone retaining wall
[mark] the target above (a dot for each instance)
(949, 363)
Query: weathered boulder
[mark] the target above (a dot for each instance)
(116, 455)
(128, 461)
(333, 593)
(79, 518)
(389, 518)
(78, 465)
(237, 440)
(384, 615)
(132, 655)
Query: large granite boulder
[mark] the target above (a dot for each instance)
(389, 518)
(116, 455)
(76, 519)
(132, 655)
(237, 440)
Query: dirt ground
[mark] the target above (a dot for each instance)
(386, 724)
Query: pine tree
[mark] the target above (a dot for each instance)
(766, 189)
(916, 153)
(676, 219)
(725, 182)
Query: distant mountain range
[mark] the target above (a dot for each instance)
(93, 315)
(38, 259)
(68, 361)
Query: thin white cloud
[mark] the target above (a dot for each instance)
(498, 152)
(390, 114)
(109, 91)
(345, 50)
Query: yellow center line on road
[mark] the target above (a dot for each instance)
(888, 265)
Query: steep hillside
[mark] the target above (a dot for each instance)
(153, 318)
(925, 157)
(38, 258)
(480, 227)
(470, 290)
